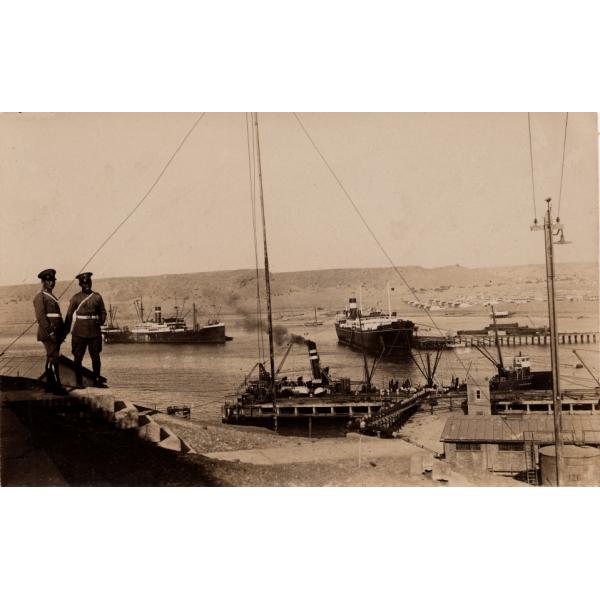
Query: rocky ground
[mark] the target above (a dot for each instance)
(85, 451)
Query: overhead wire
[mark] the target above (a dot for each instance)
(123, 221)
(562, 168)
(531, 166)
(371, 232)
(251, 144)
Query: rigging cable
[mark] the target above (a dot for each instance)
(562, 169)
(252, 175)
(114, 231)
(356, 209)
(531, 163)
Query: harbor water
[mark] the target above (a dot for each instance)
(205, 376)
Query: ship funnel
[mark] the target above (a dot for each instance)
(353, 312)
(313, 356)
(157, 314)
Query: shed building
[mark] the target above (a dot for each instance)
(511, 444)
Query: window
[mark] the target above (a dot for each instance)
(467, 446)
(478, 394)
(510, 447)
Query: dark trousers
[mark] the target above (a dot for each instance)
(52, 372)
(80, 344)
(52, 351)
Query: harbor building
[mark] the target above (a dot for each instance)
(512, 444)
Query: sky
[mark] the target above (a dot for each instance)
(436, 189)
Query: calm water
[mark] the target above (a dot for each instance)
(205, 376)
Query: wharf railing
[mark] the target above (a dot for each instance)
(393, 416)
(586, 337)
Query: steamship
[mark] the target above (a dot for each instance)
(166, 330)
(375, 332)
(320, 397)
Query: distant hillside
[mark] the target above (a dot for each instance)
(234, 292)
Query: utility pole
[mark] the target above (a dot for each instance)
(551, 229)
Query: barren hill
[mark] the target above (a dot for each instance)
(234, 292)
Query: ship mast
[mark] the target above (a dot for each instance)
(267, 277)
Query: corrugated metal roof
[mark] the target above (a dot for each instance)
(578, 428)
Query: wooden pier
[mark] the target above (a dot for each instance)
(574, 401)
(528, 339)
(317, 408)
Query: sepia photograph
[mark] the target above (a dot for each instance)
(299, 299)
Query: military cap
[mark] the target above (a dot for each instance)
(82, 276)
(47, 274)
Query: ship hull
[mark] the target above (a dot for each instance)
(204, 335)
(390, 340)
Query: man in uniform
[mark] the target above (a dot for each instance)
(51, 329)
(86, 313)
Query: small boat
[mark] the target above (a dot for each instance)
(314, 323)
(520, 376)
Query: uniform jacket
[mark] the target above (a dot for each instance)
(46, 306)
(81, 307)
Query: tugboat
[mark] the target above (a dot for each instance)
(165, 330)
(520, 376)
(517, 377)
(375, 332)
(320, 397)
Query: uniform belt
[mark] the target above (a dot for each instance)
(53, 314)
(86, 317)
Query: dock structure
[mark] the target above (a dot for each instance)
(574, 401)
(588, 337)
(392, 417)
(432, 342)
(370, 414)
(303, 408)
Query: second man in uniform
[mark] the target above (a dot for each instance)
(87, 313)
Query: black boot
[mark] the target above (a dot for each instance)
(58, 388)
(78, 375)
(50, 381)
(96, 366)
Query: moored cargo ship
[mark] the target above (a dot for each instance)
(167, 330)
(375, 332)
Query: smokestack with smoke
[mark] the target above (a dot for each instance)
(281, 334)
